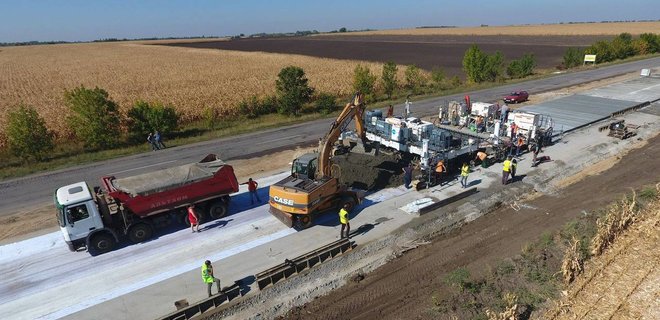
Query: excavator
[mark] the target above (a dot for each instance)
(313, 186)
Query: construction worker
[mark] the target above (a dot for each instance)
(483, 157)
(407, 175)
(514, 166)
(343, 220)
(193, 218)
(208, 277)
(440, 168)
(514, 130)
(465, 171)
(519, 144)
(390, 112)
(252, 188)
(506, 170)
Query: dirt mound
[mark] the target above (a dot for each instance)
(368, 172)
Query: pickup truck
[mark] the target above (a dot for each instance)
(516, 97)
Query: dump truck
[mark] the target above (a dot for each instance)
(313, 186)
(133, 207)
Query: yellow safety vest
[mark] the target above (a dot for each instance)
(343, 216)
(465, 170)
(507, 166)
(206, 275)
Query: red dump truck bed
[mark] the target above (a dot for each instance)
(171, 188)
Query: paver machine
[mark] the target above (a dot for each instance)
(313, 186)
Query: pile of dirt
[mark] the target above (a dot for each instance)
(368, 172)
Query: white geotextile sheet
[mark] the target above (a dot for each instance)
(157, 181)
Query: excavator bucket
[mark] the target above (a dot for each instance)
(286, 218)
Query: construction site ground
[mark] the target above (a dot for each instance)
(406, 287)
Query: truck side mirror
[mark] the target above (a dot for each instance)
(69, 218)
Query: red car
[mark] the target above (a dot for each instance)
(516, 97)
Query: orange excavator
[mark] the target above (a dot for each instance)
(313, 186)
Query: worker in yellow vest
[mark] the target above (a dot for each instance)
(208, 277)
(506, 170)
(343, 220)
(465, 171)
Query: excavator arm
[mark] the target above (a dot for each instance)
(353, 110)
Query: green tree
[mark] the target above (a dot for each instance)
(293, 90)
(522, 67)
(455, 82)
(94, 118)
(438, 77)
(415, 80)
(494, 67)
(364, 81)
(389, 78)
(27, 135)
(573, 57)
(326, 103)
(144, 117)
(342, 29)
(474, 64)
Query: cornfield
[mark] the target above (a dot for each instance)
(191, 80)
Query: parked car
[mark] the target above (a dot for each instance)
(516, 97)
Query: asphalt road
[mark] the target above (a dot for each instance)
(34, 190)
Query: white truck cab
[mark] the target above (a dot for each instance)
(77, 214)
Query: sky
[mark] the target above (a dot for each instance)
(84, 20)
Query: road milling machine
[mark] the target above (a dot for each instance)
(313, 186)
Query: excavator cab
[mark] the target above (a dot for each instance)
(304, 167)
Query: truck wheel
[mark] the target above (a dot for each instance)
(303, 221)
(218, 210)
(101, 243)
(140, 232)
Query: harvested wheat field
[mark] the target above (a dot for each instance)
(189, 79)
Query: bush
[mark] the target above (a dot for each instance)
(27, 135)
(455, 82)
(415, 80)
(438, 78)
(494, 67)
(522, 67)
(210, 117)
(573, 57)
(652, 41)
(293, 90)
(255, 107)
(622, 47)
(364, 82)
(326, 103)
(389, 78)
(94, 117)
(144, 118)
(602, 50)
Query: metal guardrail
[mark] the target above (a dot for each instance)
(292, 267)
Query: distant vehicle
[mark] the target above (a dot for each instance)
(517, 97)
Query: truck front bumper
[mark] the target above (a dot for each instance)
(76, 244)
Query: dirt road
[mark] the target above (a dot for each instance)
(403, 288)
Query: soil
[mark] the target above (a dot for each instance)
(426, 52)
(406, 287)
(369, 172)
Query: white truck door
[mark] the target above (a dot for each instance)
(81, 219)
